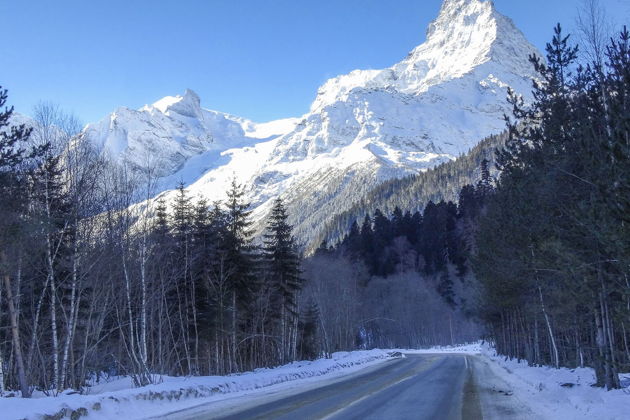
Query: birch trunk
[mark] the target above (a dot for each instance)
(233, 339)
(556, 360)
(53, 322)
(15, 334)
(70, 328)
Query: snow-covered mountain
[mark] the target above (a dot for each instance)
(363, 128)
(165, 135)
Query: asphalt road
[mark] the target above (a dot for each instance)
(414, 387)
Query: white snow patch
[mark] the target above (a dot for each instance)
(271, 128)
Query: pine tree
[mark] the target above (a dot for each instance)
(367, 239)
(322, 249)
(352, 242)
(182, 217)
(236, 244)
(204, 242)
(183, 293)
(282, 264)
(160, 223)
(398, 223)
(15, 164)
(616, 186)
(484, 186)
(382, 265)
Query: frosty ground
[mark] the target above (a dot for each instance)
(542, 391)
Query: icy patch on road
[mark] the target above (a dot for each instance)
(118, 399)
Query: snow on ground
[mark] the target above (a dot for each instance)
(118, 399)
(561, 394)
(558, 394)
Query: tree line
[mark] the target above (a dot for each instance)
(553, 247)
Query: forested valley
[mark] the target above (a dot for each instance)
(547, 241)
(535, 260)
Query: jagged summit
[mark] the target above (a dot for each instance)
(187, 104)
(166, 135)
(466, 34)
(462, 5)
(461, 18)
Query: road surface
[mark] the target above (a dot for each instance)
(432, 386)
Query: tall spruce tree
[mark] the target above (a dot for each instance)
(183, 292)
(282, 264)
(237, 245)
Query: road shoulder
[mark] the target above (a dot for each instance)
(496, 396)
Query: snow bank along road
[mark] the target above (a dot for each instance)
(427, 386)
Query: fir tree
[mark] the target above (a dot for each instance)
(367, 239)
(237, 247)
(282, 265)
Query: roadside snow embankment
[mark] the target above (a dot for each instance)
(561, 394)
(119, 399)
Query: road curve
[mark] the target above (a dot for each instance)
(415, 387)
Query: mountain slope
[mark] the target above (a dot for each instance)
(363, 128)
(412, 193)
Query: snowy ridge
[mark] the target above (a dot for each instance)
(165, 135)
(363, 128)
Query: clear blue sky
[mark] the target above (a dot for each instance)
(260, 59)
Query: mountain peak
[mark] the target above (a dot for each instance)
(464, 3)
(187, 104)
(466, 35)
(454, 13)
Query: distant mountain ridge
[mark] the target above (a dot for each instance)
(363, 128)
